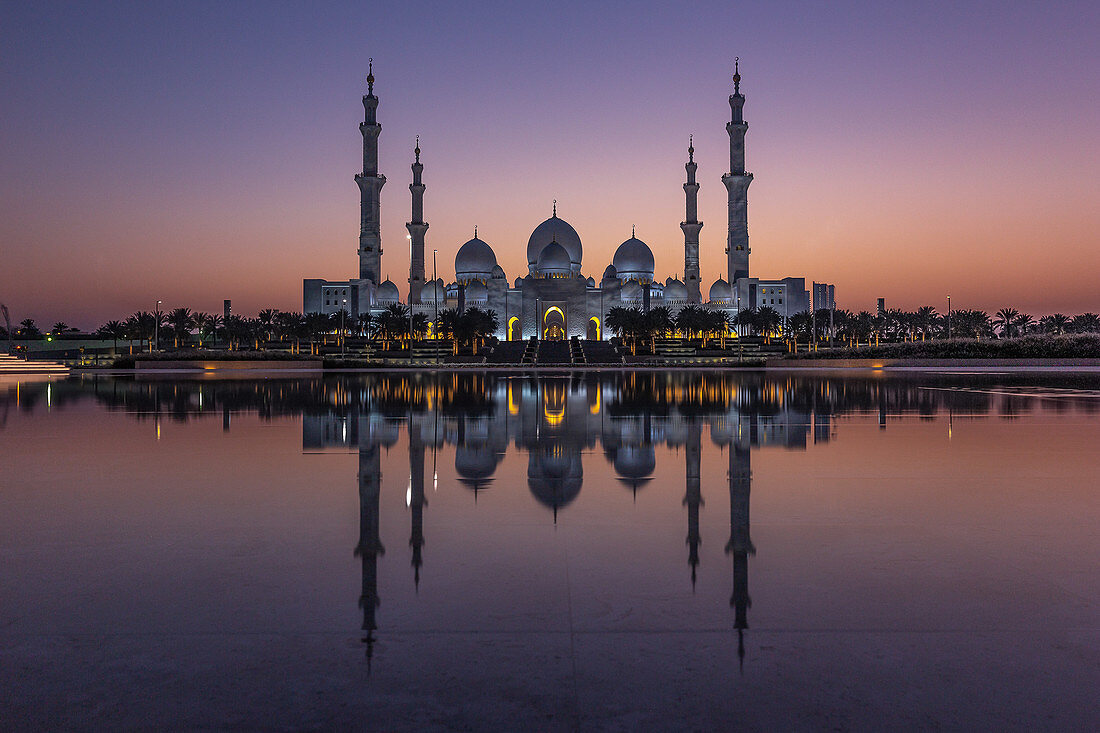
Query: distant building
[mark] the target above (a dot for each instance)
(554, 299)
(882, 306)
(824, 297)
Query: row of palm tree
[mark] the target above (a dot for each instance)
(184, 328)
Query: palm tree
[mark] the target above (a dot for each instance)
(627, 323)
(112, 330)
(767, 321)
(924, 319)
(266, 318)
(1024, 322)
(28, 329)
(181, 322)
(1057, 324)
(60, 328)
(206, 325)
(745, 319)
(142, 326)
(1086, 323)
(1005, 321)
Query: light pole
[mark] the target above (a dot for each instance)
(343, 328)
(156, 325)
(435, 307)
(948, 317)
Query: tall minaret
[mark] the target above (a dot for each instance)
(737, 185)
(691, 226)
(416, 228)
(370, 185)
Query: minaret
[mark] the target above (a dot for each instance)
(691, 226)
(370, 186)
(416, 228)
(737, 185)
(740, 544)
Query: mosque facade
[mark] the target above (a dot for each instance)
(555, 299)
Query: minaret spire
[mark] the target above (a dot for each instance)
(691, 226)
(417, 227)
(737, 186)
(370, 185)
(555, 208)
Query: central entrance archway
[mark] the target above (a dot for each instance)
(553, 324)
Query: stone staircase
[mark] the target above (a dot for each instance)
(554, 352)
(15, 365)
(600, 352)
(576, 353)
(507, 352)
(531, 352)
(674, 348)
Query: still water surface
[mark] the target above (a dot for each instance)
(648, 551)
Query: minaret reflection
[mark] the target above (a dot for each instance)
(416, 499)
(370, 542)
(693, 499)
(740, 543)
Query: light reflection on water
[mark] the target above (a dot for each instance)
(640, 487)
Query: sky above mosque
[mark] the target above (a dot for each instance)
(191, 152)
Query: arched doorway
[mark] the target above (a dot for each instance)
(593, 329)
(515, 331)
(553, 324)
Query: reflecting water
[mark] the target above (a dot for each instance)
(597, 550)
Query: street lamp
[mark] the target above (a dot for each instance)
(948, 317)
(156, 324)
(343, 328)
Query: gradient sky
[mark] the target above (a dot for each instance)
(190, 152)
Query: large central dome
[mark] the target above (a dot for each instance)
(554, 230)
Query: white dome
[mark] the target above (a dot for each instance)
(610, 273)
(475, 261)
(720, 291)
(633, 260)
(675, 290)
(498, 273)
(476, 292)
(432, 292)
(554, 261)
(555, 230)
(387, 292)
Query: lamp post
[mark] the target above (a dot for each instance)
(156, 324)
(343, 328)
(948, 317)
(435, 306)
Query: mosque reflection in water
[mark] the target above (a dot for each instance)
(554, 420)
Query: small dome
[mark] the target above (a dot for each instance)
(610, 273)
(476, 292)
(432, 292)
(387, 293)
(675, 290)
(633, 260)
(631, 291)
(518, 283)
(555, 230)
(635, 461)
(475, 261)
(498, 273)
(554, 261)
(720, 291)
(591, 282)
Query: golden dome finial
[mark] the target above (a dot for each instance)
(416, 150)
(370, 75)
(691, 148)
(736, 74)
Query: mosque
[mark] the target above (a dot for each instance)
(555, 299)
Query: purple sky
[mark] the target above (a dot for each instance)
(191, 152)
